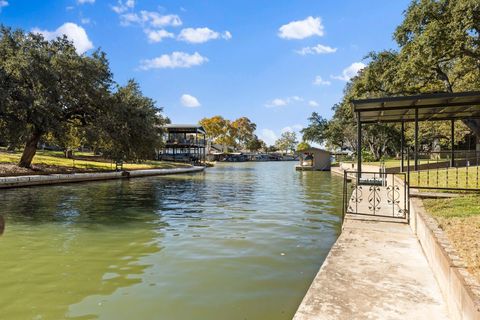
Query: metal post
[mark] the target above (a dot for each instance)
(416, 141)
(402, 146)
(359, 148)
(452, 137)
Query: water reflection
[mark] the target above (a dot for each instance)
(246, 239)
(2, 224)
(67, 243)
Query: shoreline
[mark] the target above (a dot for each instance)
(435, 276)
(59, 178)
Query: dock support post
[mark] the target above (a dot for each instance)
(452, 139)
(402, 147)
(416, 141)
(359, 148)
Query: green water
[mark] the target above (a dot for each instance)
(240, 241)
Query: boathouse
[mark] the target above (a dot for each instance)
(184, 143)
(314, 159)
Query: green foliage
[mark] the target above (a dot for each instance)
(439, 51)
(303, 146)
(243, 132)
(130, 125)
(255, 144)
(316, 130)
(239, 133)
(48, 91)
(287, 141)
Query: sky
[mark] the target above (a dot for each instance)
(273, 61)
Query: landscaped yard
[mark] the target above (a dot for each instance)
(460, 219)
(55, 162)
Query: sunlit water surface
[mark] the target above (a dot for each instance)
(240, 241)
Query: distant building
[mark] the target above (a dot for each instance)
(184, 143)
(314, 159)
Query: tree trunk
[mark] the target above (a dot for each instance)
(30, 150)
(474, 125)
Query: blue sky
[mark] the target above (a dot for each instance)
(273, 61)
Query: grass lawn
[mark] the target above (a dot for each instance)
(460, 219)
(463, 178)
(54, 161)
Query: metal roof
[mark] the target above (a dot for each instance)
(313, 149)
(430, 106)
(184, 128)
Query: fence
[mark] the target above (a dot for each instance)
(376, 194)
(445, 170)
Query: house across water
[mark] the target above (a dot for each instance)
(184, 143)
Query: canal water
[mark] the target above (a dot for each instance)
(240, 241)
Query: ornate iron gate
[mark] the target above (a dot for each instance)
(376, 194)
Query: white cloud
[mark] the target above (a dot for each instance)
(174, 60)
(189, 101)
(280, 102)
(201, 35)
(122, 7)
(3, 3)
(277, 103)
(85, 1)
(74, 33)
(158, 35)
(294, 128)
(197, 35)
(155, 19)
(269, 136)
(318, 49)
(350, 71)
(150, 20)
(320, 82)
(296, 98)
(313, 103)
(302, 29)
(85, 21)
(129, 18)
(227, 35)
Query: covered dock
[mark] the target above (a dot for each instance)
(184, 143)
(460, 106)
(314, 159)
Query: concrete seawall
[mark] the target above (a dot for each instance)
(382, 269)
(375, 270)
(33, 180)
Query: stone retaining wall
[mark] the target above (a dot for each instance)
(23, 181)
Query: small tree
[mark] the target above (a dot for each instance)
(288, 141)
(255, 144)
(303, 146)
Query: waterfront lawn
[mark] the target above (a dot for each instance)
(460, 219)
(55, 162)
(462, 178)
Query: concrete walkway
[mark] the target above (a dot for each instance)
(375, 270)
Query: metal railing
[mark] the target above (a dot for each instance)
(188, 141)
(445, 170)
(376, 194)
